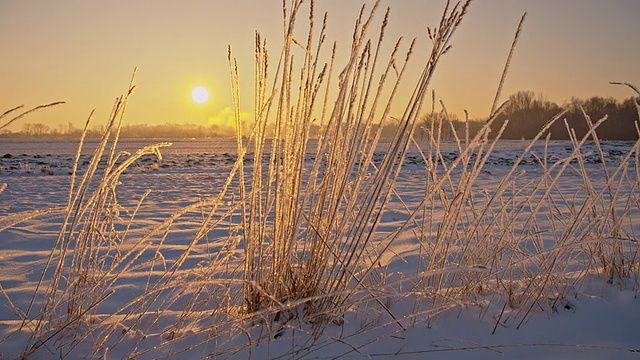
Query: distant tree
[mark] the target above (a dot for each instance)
(36, 130)
(527, 114)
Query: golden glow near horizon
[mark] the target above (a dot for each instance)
(83, 52)
(200, 94)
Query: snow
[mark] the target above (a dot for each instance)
(599, 319)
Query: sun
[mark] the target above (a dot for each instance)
(200, 94)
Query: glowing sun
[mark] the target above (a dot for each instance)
(200, 94)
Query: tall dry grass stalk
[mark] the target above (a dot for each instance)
(19, 116)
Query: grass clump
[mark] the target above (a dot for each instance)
(309, 236)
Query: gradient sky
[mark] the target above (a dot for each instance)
(83, 52)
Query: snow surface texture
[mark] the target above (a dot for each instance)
(597, 318)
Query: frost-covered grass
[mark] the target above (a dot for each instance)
(349, 252)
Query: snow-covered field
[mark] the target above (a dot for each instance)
(163, 296)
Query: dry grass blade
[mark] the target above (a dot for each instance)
(24, 113)
(506, 65)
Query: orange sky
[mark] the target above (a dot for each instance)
(83, 52)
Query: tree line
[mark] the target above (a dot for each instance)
(526, 112)
(136, 131)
